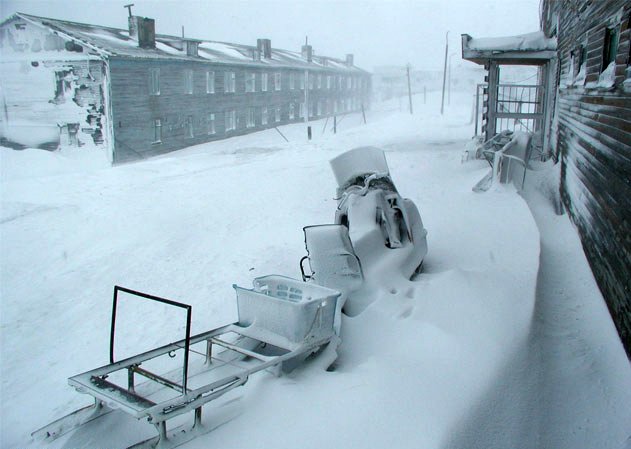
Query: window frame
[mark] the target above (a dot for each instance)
(229, 82)
(277, 81)
(264, 81)
(250, 120)
(154, 81)
(230, 116)
(210, 82)
(211, 127)
(190, 128)
(188, 81)
(610, 52)
(250, 82)
(157, 131)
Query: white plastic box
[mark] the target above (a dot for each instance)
(297, 311)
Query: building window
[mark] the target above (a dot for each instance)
(302, 81)
(349, 81)
(264, 82)
(292, 80)
(249, 118)
(610, 48)
(277, 85)
(328, 81)
(211, 124)
(319, 81)
(339, 82)
(210, 82)
(154, 81)
(189, 127)
(231, 120)
(157, 131)
(188, 81)
(319, 107)
(264, 115)
(292, 112)
(301, 110)
(229, 82)
(577, 59)
(277, 114)
(311, 81)
(250, 80)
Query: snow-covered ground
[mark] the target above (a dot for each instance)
(502, 341)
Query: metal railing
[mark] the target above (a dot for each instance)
(517, 108)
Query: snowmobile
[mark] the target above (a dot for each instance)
(376, 233)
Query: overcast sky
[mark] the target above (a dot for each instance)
(377, 32)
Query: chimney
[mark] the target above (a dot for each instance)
(349, 60)
(264, 47)
(192, 47)
(307, 52)
(143, 29)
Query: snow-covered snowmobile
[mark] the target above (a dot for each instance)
(377, 233)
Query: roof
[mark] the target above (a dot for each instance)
(532, 48)
(111, 42)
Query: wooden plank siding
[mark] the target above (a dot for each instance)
(593, 138)
(134, 109)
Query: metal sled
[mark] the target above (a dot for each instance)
(281, 321)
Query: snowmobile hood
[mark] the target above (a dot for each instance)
(358, 162)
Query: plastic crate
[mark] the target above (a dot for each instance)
(298, 311)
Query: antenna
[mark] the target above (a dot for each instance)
(129, 8)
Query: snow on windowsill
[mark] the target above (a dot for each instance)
(606, 80)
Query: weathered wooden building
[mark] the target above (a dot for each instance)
(141, 94)
(581, 106)
(592, 137)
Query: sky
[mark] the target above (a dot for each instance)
(378, 33)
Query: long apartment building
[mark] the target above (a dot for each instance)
(141, 94)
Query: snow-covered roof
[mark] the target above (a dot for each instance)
(524, 48)
(108, 41)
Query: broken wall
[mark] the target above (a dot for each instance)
(51, 89)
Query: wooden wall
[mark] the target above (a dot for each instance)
(594, 142)
(134, 109)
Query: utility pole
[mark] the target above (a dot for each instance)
(442, 101)
(306, 87)
(409, 89)
(449, 80)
